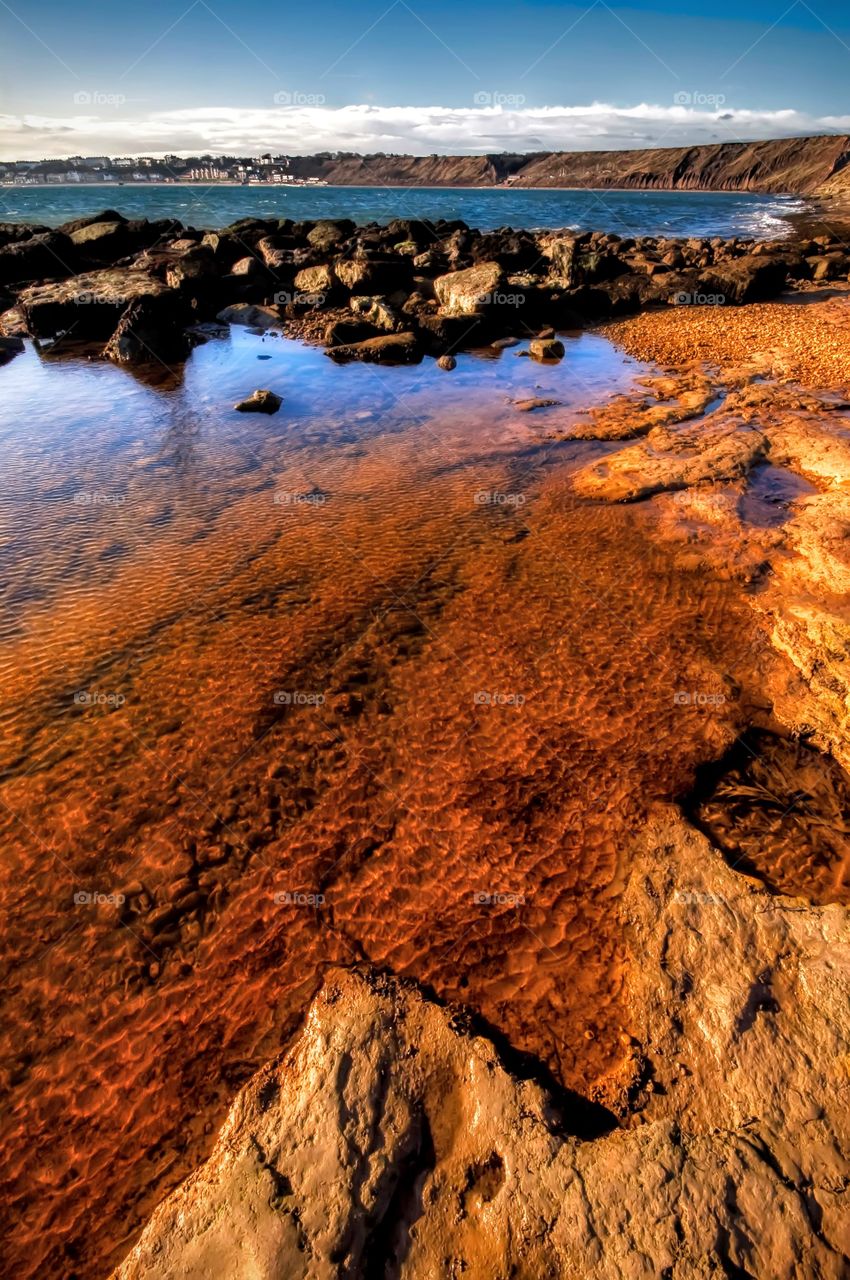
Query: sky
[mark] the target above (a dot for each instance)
(419, 76)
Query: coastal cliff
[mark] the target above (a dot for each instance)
(795, 166)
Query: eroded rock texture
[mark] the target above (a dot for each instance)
(394, 1140)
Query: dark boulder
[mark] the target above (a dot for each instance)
(48, 256)
(151, 330)
(394, 348)
(747, 279)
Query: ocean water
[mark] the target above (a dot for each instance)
(629, 213)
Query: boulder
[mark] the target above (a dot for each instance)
(342, 333)
(249, 315)
(104, 241)
(394, 348)
(51, 256)
(746, 279)
(92, 219)
(315, 282)
(326, 236)
(546, 349)
(151, 331)
(379, 313)
(471, 291)
(260, 402)
(91, 305)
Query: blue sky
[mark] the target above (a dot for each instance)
(431, 75)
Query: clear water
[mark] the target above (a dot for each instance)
(629, 213)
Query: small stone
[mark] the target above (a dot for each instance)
(260, 402)
(447, 362)
(546, 349)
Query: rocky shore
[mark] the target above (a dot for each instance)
(145, 292)
(397, 1135)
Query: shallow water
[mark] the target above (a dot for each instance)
(629, 213)
(361, 680)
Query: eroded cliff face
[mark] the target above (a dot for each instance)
(394, 1140)
(800, 166)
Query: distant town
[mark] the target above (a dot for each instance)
(244, 171)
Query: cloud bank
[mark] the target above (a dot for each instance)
(99, 122)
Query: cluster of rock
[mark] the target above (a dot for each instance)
(147, 289)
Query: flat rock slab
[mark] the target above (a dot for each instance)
(395, 348)
(669, 460)
(91, 303)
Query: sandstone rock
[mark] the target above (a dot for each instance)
(395, 348)
(546, 349)
(315, 281)
(327, 235)
(669, 460)
(90, 304)
(393, 1139)
(379, 313)
(340, 333)
(104, 241)
(260, 402)
(746, 279)
(471, 291)
(249, 315)
(151, 330)
(51, 256)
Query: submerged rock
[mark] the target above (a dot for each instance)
(260, 402)
(546, 349)
(394, 348)
(447, 362)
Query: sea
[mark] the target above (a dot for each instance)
(628, 213)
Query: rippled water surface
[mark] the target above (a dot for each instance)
(361, 680)
(629, 213)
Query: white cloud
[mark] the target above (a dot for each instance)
(102, 124)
